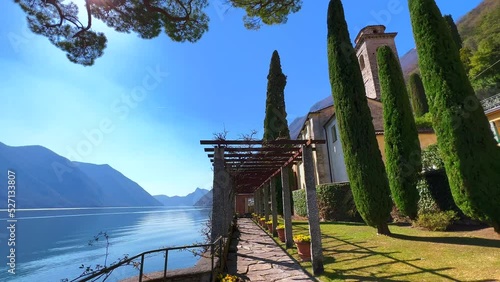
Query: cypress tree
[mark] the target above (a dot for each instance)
(363, 160)
(402, 147)
(469, 152)
(454, 31)
(275, 123)
(417, 95)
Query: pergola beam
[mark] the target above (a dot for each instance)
(254, 163)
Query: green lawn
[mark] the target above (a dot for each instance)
(354, 252)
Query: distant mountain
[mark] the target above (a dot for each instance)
(188, 200)
(205, 201)
(47, 180)
(409, 62)
(123, 191)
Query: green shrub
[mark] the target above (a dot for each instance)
(299, 200)
(431, 159)
(335, 202)
(434, 188)
(436, 221)
(426, 202)
(424, 122)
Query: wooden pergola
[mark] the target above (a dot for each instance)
(251, 167)
(254, 163)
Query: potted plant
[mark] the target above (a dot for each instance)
(281, 232)
(262, 221)
(303, 243)
(269, 225)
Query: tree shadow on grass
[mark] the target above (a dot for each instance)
(366, 252)
(468, 241)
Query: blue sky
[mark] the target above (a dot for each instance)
(184, 92)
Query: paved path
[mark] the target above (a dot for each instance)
(259, 258)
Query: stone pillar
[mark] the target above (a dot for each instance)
(219, 186)
(312, 211)
(259, 202)
(274, 205)
(255, 202)
(266, 201)
(287, 207)
(229, 204)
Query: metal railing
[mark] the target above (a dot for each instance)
(216, 248)
(491, 102)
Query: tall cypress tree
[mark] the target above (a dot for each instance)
(469, 152)
(417, 95)
(454, 31)
(402, 147)
(275, 123)
(363, 160)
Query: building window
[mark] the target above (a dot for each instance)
(334, 133)
(362, 62)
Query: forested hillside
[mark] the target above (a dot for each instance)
(480, 32)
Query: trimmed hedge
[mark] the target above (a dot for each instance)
(299, 201)
(335, 202)
(433, 186)
(440, 190)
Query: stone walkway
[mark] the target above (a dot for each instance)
(254, 256)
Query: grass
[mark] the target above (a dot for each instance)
(354, 252)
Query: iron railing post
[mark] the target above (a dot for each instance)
(142, 268)
(165, 268)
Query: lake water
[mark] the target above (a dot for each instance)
(52, 244)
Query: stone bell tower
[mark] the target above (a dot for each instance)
(367, 43)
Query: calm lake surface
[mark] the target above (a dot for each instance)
(51, 244)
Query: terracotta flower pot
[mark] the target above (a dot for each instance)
(281, 234)
(270, 227)
(262, 223)
(304, 250)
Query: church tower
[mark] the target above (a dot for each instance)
(367, 43)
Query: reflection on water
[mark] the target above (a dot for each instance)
(52, 244)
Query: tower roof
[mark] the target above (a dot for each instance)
(372, 31)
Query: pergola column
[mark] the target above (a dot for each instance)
(255, 202)
(266, 201)
(219, 186)
(274, 205)
(229, 204)
(261, 201)
(312, 211)
(287, 207)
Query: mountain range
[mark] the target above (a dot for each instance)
(45, 179)
(189, 200)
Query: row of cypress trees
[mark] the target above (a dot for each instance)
(471, 157)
